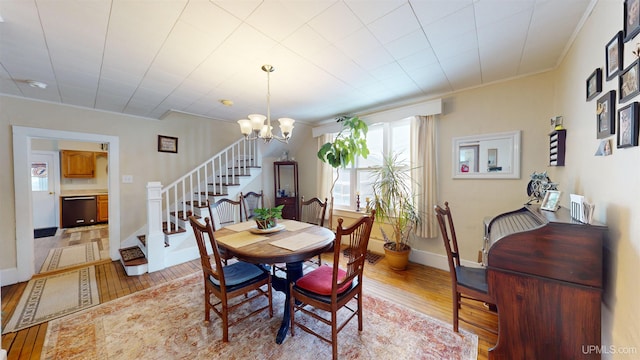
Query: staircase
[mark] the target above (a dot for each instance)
(169, 239)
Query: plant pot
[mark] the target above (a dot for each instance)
(266, 224)
(397, 259)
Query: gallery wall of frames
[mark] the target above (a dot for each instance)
(623, 121)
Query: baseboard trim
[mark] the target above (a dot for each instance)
(9, 277)
(422, 257)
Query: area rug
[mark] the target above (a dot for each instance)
(70, 256)
(44, 232)
(50, 297)
(85, 228)
(166, 322)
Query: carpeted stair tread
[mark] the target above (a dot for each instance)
(132, 256)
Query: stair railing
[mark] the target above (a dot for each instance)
(166, 206)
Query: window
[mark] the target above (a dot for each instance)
(391, 137)
(39, 176)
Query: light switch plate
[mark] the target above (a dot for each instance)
(127, 179)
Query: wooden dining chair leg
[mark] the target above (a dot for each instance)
(334, 333)
(207, 307)
(225, 321)
(456, 308)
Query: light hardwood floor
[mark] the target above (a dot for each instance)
(421, 287)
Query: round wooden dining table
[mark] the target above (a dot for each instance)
(292, 243)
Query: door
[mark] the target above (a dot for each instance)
(44, 185)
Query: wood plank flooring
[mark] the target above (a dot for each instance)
(423, 288)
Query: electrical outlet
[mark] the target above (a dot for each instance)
(127, 179)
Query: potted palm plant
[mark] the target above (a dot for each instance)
(348, 145)
(266, 218)
(395, 207)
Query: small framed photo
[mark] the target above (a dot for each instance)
(613, 56)
(594, 83)
(628, 126)
(606, 115)
(167, 144)
(551, 200)
(629, 83)
(631, 19)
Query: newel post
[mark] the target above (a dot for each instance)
(155, 236)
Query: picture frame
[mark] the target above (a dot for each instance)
(594, 83)
(606, 115)
(551, 200)
(167, 144)
(631, 19)
(628, 125)
(613, 52)
(629, 82)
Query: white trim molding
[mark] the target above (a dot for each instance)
(430, 107)
(22, 137)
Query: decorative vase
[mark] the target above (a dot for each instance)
(397, 259)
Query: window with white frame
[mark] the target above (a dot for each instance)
(391, 137)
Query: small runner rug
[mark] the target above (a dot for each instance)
(50, 297)
(69, 256)
(167, 322)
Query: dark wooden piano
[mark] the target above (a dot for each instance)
(545, 271)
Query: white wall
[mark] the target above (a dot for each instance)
(198, 139)
(608, 181)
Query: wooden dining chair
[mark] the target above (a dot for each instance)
(228, 211)
(466, 282)
(313, 211)
(228, 282)
(251, 201)
(330, 288)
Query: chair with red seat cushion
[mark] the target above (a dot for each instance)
(332, 288)
(228, 282)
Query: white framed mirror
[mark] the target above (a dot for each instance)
(487, 156)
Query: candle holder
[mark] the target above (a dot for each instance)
(357, 202)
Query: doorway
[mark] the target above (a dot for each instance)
(45, 189)
(22, 138)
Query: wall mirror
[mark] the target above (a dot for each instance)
(488, 156)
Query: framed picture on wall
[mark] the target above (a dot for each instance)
(594, 83)
(631, 19)
(613, 56)
(628, 126)
(167, 144)
(628, 83)
(606, 115)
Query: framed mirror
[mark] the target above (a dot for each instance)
(488, 156)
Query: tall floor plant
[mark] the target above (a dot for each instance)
(348, 145)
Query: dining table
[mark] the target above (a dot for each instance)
(290, 242)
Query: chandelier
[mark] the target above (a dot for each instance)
(255, 128)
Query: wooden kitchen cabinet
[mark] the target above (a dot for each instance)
(78, 164)
(103, 208)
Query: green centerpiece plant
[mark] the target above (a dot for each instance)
(266, 218)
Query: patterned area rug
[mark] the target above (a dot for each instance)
(70, 256)
(166, 322)
(50, 297)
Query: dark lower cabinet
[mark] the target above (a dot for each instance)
(78, 211)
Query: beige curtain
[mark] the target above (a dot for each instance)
(423, 156)
(326, 173)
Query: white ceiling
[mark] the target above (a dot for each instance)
(145, 57)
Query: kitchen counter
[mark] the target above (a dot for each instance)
(84, 192)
